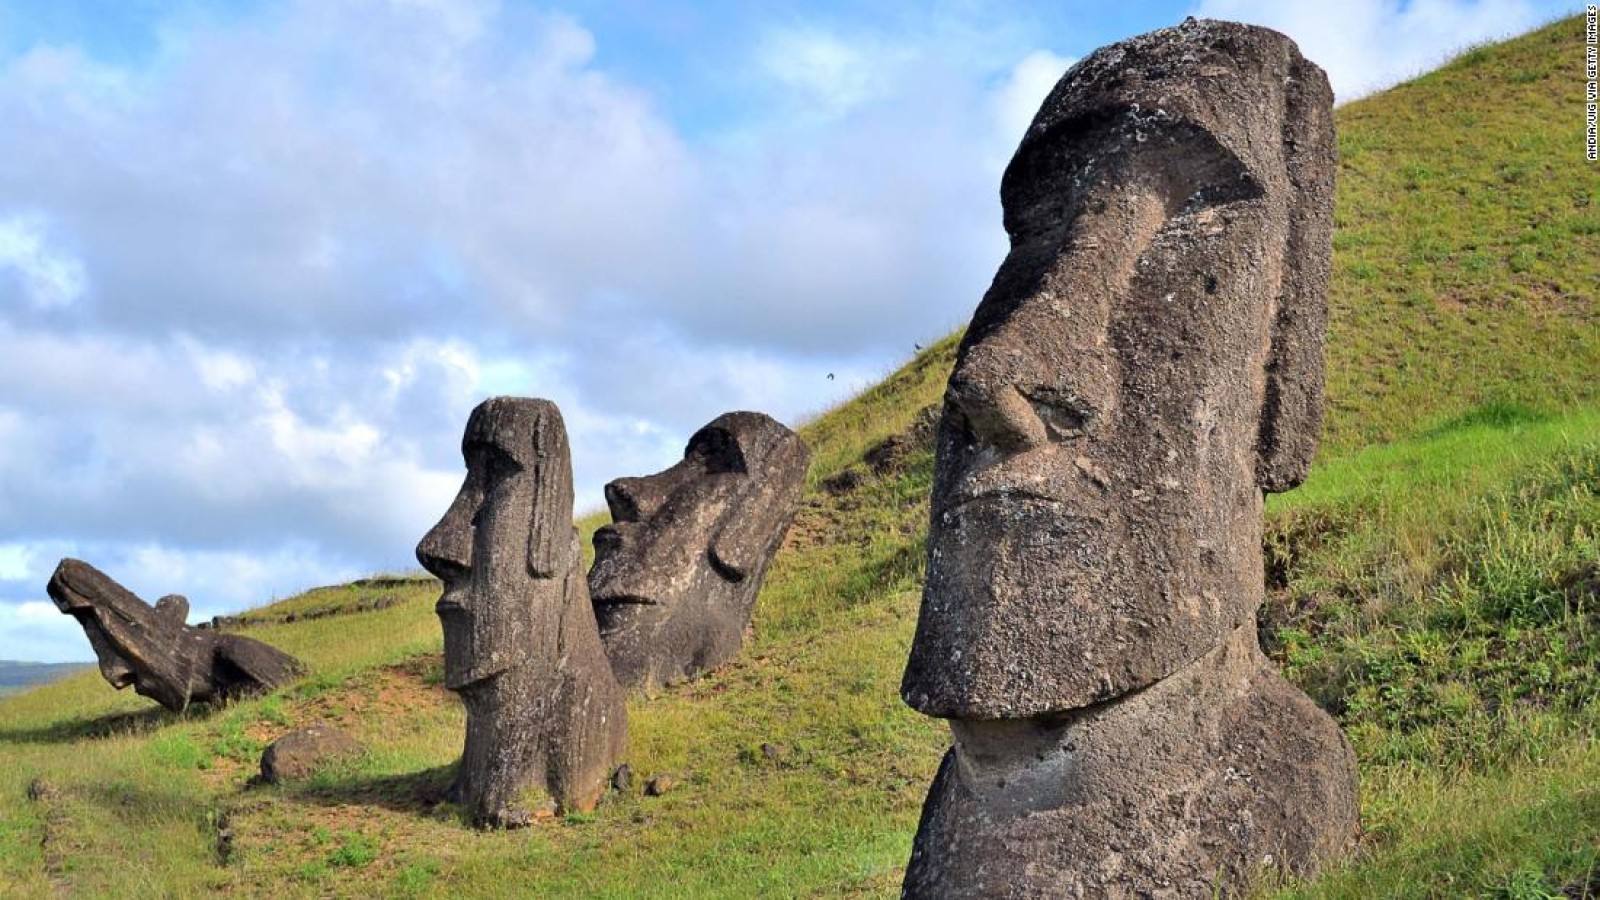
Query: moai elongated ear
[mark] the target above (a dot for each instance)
(173, 607)
(740, 544)
(550, 531)
(1291, 410)
(737, 546)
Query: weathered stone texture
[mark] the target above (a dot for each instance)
(1146, 363)
(1185, 789)
(677, 572)
(521, 644)
(153, 649)
(301, 753)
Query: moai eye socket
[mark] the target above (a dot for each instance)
(1065, 417)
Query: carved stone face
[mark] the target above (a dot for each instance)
(504, 541)
(151, 648)
(676, 573)
(133, 641)
(1111, 421)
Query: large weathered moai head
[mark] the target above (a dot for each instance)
(1147, 362)
(676, 574)
(505, 546)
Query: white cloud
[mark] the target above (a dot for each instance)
(14, 561)
(36, 630)
(827, 74)
(1367, 45)
(46, 276)
(1020, 96)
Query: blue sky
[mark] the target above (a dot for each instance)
(258, 260)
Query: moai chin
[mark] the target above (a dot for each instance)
(1146, 364)
(156, 651)
(676, 574)
(520, 642)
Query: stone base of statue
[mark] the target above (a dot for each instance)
(1211, 776)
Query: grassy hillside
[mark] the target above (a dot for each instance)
(1435, 585)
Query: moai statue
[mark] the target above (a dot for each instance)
(676, 574)
(153, 649)
(1147, 363)
(520, 642)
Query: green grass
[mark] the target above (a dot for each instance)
(1433, 585)
(1465, 244)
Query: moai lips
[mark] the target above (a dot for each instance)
(521, 644)
(676, 574)
(1147, 362)
(155, 651)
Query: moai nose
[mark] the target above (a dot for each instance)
(446, 550)
(996, 413)
(635, 499)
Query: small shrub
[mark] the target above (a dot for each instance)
(355, 850)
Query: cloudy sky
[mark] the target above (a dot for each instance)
(258, 260)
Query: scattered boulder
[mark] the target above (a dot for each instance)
(42, 790)
(677, 571)
(222, 844)
(298, 754)
(1146, 364)
(521, 646)
(844, 482)
(622, 779)
(153, 649)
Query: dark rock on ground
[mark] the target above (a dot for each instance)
(42, 790)
(222, 844)
(844, 482)
(300, 753)
(676, 573)
(154, 650)
(622, 779)
(521, 646)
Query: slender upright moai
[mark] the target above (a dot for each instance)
(521, 646)
(1146, 364)
(677, 572)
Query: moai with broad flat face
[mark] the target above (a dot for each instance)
(520, 642)
(1146, 364)
(153, 649)
(676, 574)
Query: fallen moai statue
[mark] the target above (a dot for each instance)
(676, 574)
(153, 649)
(1146, 364)
(520, 642)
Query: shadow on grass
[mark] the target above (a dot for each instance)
(420, 792)
(121, 724)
